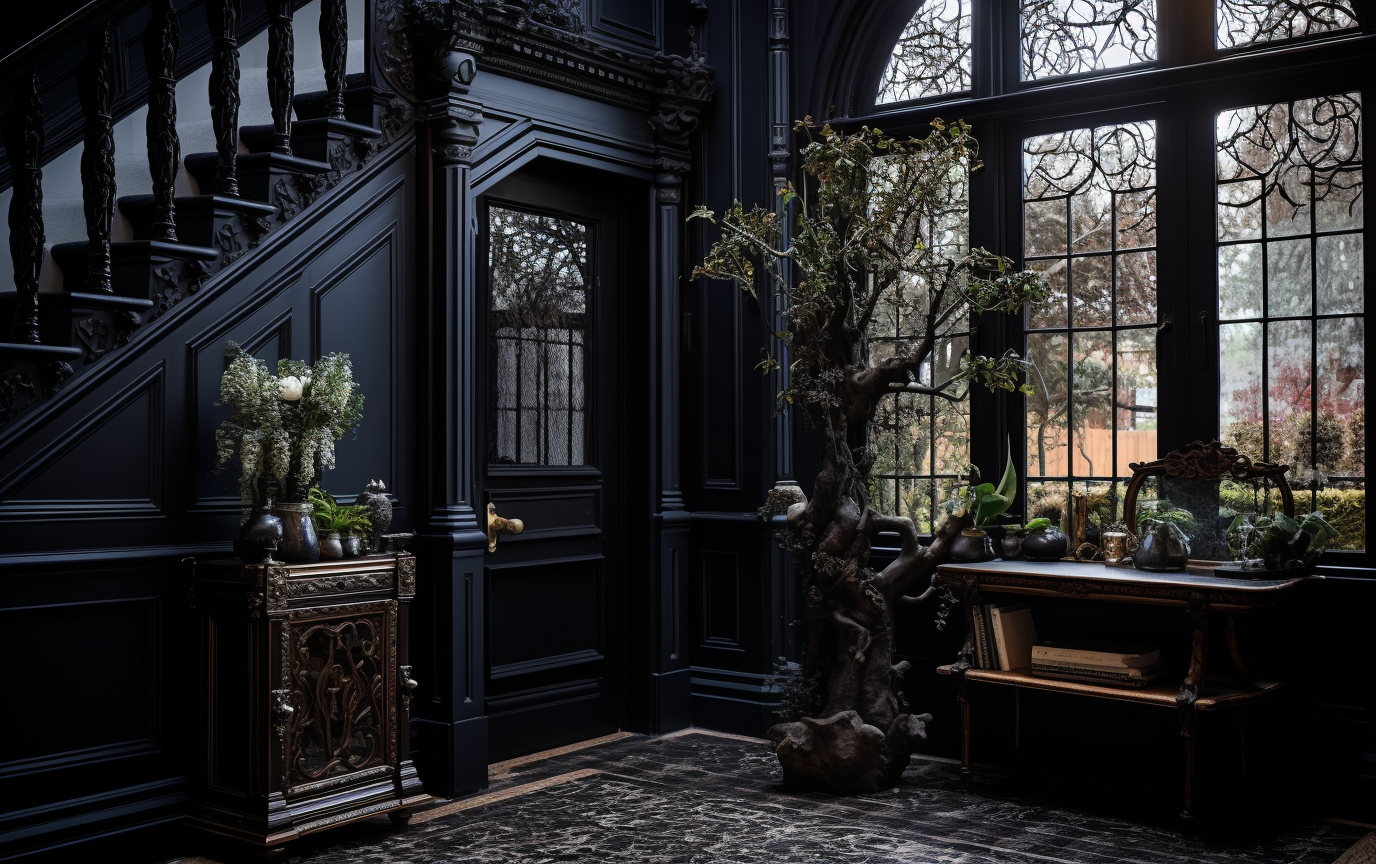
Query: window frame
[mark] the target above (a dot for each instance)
(1190, 83)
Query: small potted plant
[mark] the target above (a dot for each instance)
(1279, 542)
(985, 503)
(341, 527)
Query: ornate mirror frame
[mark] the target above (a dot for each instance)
(1211, 460)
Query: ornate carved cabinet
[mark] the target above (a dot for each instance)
(305, 696)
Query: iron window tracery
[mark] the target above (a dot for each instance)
(1241, 23)
(932, 56)
(1068, 37)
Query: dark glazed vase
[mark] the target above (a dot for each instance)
(256, 535)
(972, 546)
(331, 549)
(1045, 544)
(300, 543)
(1162, 546)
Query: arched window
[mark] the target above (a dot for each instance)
(1204, 234)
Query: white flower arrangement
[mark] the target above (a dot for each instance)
(284, 427)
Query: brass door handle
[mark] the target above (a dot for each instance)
(498, 525)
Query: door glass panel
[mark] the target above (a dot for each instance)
(539, 279)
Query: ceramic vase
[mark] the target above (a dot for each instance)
(331, 549)
(300, 543)
(1044, 544)
(971, 546)
(1011, 547)
(353, 546)
(256, 535)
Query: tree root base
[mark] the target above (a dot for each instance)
(843, 755)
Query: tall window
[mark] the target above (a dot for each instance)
(922, 442)
(1291, 297)
(1089, 213)
(1249, 326)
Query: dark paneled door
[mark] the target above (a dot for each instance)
(552, 401)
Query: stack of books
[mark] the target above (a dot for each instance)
(1112, 663)
(1004, 636)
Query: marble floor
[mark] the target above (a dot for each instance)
(704, 797)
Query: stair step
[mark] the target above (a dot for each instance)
(93, 324)
(23, 352)
(231, 226)
(155, 270)
(362, 101)
(330, 140)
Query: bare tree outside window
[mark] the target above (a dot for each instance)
(932, 57)
(1248, 22)
(1291, 298)
(1067, 37)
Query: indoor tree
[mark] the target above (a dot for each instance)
(872, 238)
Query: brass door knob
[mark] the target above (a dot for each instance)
(498, 525)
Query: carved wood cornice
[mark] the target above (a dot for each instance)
(524, 40)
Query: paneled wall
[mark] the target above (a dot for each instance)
(104, 492)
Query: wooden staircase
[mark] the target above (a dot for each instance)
(113, 292)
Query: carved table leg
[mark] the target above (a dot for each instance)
(1242, 744)
(1189, 693)
(963, 696)
(971, 599)
(1017, 720)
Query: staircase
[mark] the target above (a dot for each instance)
(114, 292)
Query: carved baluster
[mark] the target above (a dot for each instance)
(161, 41)
(223, 16)
(24, 146)
(281, 79)
(98, 159)
(334, 50)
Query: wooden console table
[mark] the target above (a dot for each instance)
(305, 696)
(1199, 593)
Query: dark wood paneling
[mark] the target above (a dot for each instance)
(74, 477)
(721, 601)
(544, 610)
(96, 602)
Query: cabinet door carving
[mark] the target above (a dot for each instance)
(342, 688)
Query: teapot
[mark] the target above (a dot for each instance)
(1161, 546)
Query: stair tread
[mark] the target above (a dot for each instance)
(126, 249)
(199, 202)
(24, 351)
(334, 124)
(270, 159)
(88, 300)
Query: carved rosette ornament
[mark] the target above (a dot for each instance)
(24, 147)
(98, 159)
(406, 576)
(161, 43)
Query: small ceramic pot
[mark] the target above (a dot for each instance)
(972, 546)
(1011, 546)
(331, 549)
(1161, 546)
(1044, 544)
(353, 546)
(300, 543)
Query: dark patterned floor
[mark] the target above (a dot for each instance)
(699, 797)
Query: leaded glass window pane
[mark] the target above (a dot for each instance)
(921, 443)
(539, 279)
(1089, 223)
(932, 57)
(1067, 37)
(1291, 298)
(1248, 22)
